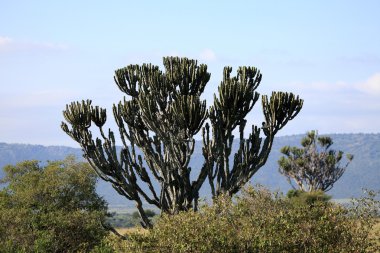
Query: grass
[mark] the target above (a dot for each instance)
(375, 233)
(125, 231)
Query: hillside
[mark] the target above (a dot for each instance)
(363, 172)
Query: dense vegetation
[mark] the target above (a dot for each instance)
(55, 208)
(52, 208)
(260, 221)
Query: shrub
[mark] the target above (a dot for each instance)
(298, 197)
(260, 221)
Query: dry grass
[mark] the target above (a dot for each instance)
(138, 230)
(376, 232)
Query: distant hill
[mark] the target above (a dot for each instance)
(363, 172)
(14, 153)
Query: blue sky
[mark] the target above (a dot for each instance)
(55, 52)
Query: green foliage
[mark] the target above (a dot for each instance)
(50, 209)
(314, 166)
(260, 221)
(299, 197)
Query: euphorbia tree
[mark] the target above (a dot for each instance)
(161, 115)
(314, 166)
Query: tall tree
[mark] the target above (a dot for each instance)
(314, 166)
(161, 116)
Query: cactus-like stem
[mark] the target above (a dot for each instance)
(236, 99)
(160, 115)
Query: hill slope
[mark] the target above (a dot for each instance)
(363, 172)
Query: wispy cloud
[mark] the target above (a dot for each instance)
(371, 85)
(207, 55)
(340, 106)
(5, 42)
(321, 86)
(42, 98)
(364, 59)
(8, 44)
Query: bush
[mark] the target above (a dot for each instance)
(260, 221)
(298, 197)
(50, 209)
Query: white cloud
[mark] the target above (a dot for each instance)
(49, 45)
(338, 106)
(10, 45)
(5, 43)
(322, 86)
(365, 59)
(45, 98)
(371, 85)
(207, 55)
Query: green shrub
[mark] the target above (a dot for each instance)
(298, 197)
(50, 209)
(260, 221)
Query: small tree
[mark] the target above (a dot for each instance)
(314, 166)
(163, 114)
(54, 208)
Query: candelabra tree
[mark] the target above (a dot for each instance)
(237, 97)
(161, 115)
(314, 166)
